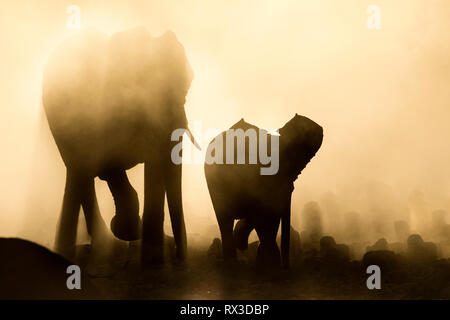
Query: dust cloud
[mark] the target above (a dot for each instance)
(381, 96)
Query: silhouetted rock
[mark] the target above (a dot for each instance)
(380, 244)
(420, 251)
(386, 260)
(330, 250)
(344, 251)
(327, 243)
(358, 249)
(30, 271)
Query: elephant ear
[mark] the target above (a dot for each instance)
(132, 73)
(177, 62)
(179, 75)
(150, 75)
(300, 139)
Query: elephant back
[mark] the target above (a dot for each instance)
(100, 93)
(146, 79)
(72, 83)
(237, 180)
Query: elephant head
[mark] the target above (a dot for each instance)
(150, 75)
(300, 139)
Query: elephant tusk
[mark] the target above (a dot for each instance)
(191, 136)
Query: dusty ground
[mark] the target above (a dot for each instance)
(204, 276)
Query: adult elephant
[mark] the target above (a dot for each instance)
(112, 102)
(240, 191)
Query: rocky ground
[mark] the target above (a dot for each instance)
(30, 271)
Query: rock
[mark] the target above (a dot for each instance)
(330, 250)
(420, 251)
(30, 271)
(386, 260)
(380, 244)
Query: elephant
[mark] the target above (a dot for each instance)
(240, 192)
(112, 102)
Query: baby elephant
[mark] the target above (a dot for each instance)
(241, 189)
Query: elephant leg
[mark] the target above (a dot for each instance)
(241, 233)
(286, 234)
(226, 231)
(153, 216)
(268, 251)
(224, 220)
(95, 224)
(172, 181)
(126, 224)
(66, 233)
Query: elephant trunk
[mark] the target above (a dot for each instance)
(285, 236)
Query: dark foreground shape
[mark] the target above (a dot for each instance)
(240, 191)
(112, 103)
(30, 271)
(385, 259)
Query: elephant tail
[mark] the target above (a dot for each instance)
(285, 237)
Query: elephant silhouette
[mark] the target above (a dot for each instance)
(111, 103)
(240, 192)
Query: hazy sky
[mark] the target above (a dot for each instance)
(381, 95)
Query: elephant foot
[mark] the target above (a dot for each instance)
(171, 249)
(126, 224)
(126, 228)
(241, 233)
(268, 256)
(152, 255)
(180, 254)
